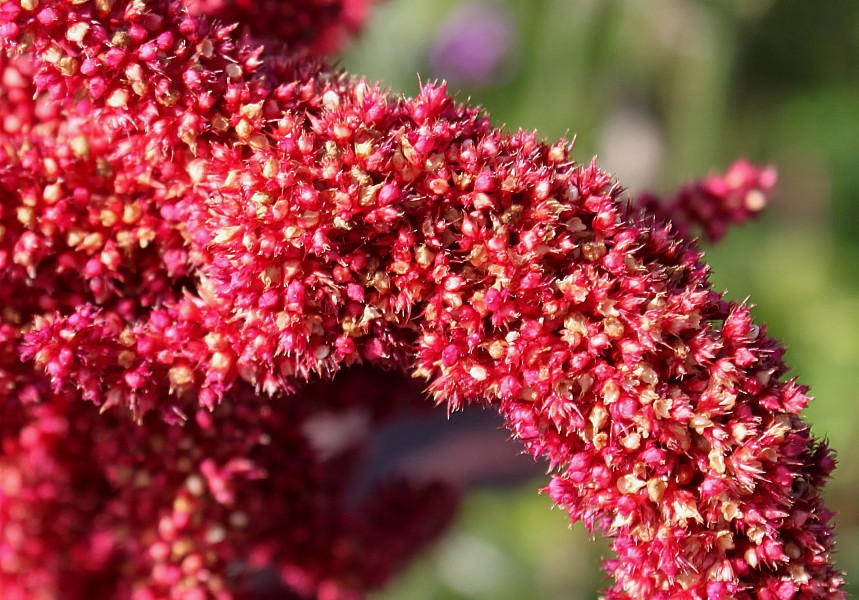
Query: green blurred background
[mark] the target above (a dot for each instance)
(660, 91)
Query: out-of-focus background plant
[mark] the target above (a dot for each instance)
(660, 91)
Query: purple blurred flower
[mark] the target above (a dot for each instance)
(475, 45)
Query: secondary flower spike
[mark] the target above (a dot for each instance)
(186, 219)
(714, 203)
(319, 26)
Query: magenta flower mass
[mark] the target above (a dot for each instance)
(209, 239)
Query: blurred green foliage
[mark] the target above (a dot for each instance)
(664, 90)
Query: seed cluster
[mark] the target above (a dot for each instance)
(191, 231)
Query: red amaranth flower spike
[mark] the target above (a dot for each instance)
(96, 507)
(715, 202)
(318, 26)
(295, 222)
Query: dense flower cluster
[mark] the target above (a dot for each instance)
(319, 26)
(714, 203)
(235, 504)
(191, 231)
